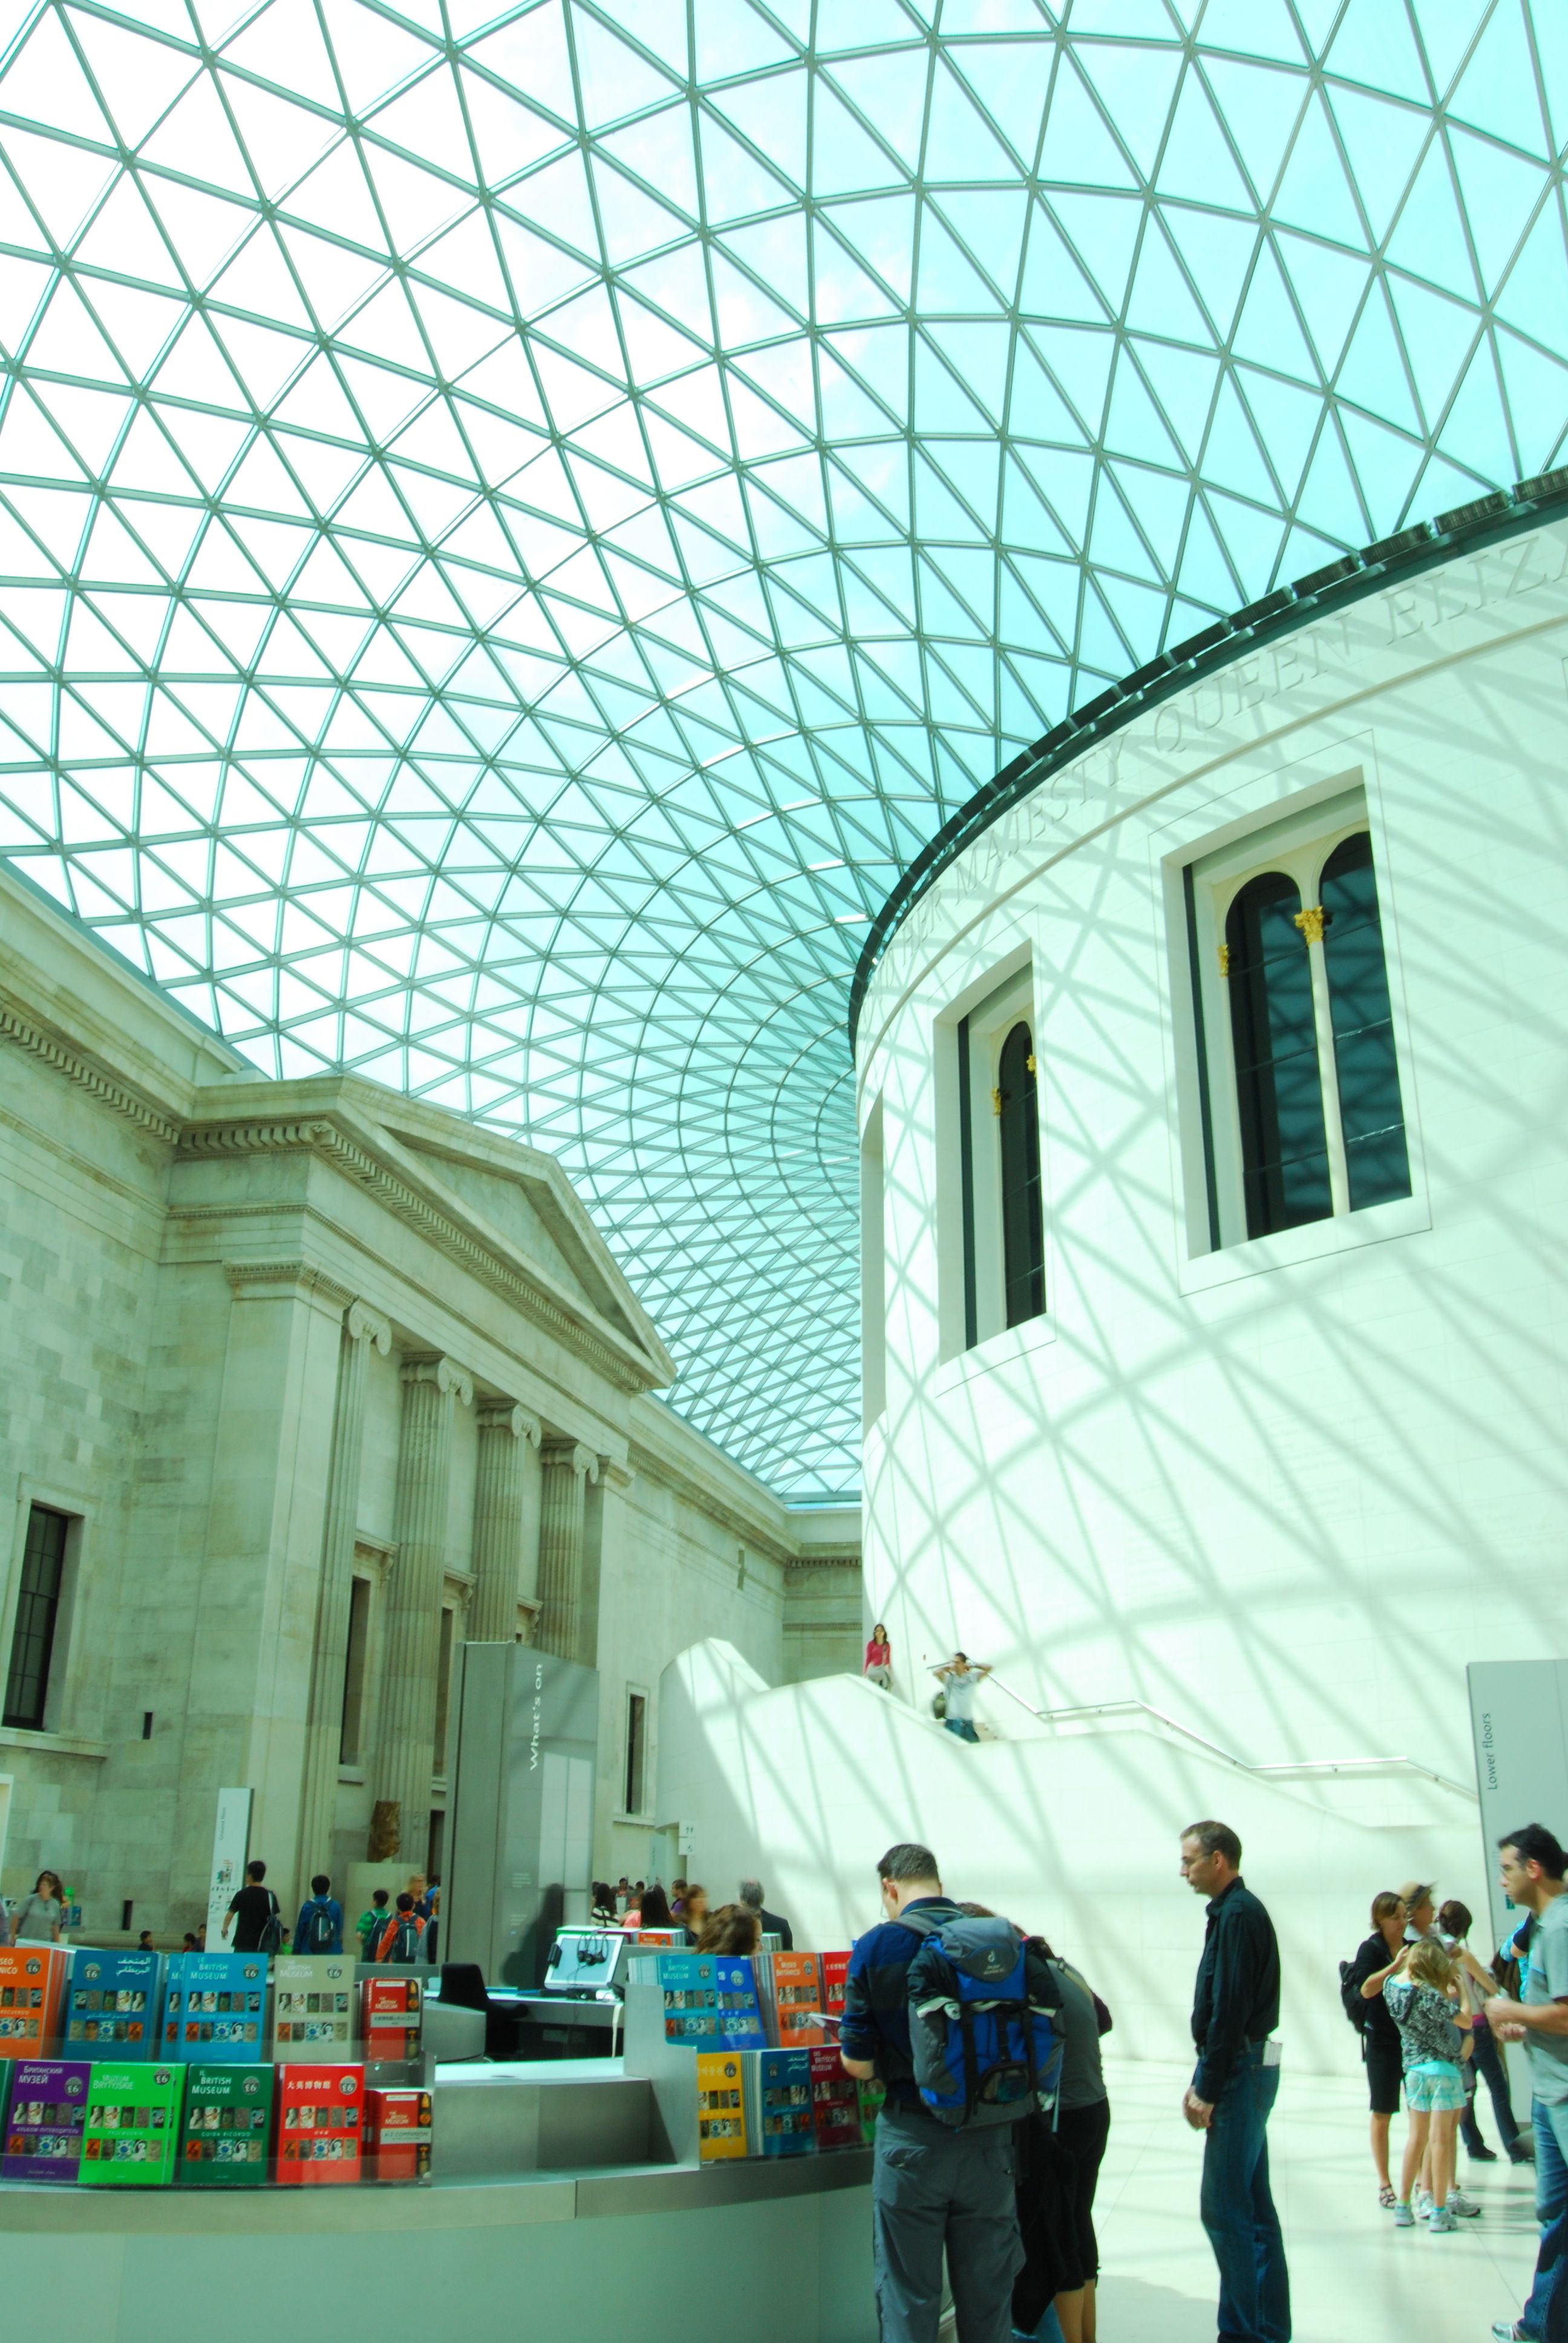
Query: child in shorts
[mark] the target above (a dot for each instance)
(1429, 2001)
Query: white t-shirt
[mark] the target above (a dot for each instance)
(960, 1693)
(1549, 1982)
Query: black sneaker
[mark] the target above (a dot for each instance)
(1483, 2155)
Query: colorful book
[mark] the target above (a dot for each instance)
(391, 2015)
(871, 2095)
(228, 2117)
(835, 2101)
(690, 1988)
(739, 2013)
(397, 2134)
(32, 1981)
(778, 2115)
(112, 2003)
(835, 1969)
(313, 2007)
(215, 2006)
(720, 2106)
(320, 2123)
(131, 2140)
(45, 2119)
(789, 1988)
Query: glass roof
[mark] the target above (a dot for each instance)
(515, 528)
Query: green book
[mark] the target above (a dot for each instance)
(132, 2134)
(871, 2095)
(228, 2123)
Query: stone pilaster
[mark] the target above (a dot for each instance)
(568, 1467)
(504, 1430)
(431, 1389)
(324, 1720)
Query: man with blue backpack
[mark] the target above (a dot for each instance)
(319, 1927)
(954, 2014)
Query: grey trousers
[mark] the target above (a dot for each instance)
(933, 2187)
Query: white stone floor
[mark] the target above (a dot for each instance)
(1355, 2278)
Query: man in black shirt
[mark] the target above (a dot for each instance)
(1235, 2008)
(250, 1911)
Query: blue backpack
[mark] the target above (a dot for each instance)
(982, 2008)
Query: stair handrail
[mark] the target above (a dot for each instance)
(1292, 1767)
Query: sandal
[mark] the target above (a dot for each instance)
(1386, 2198)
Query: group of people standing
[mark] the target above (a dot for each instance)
(1012, 2203)
(957, 1679)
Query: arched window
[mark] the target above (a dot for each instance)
(1377, 1161)
(1022, 1222)
(1278, 1090)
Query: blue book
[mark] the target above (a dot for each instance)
(112, 2003)
(690, 1991)
(214, 2009)
(784, 2121)
(740, 2011)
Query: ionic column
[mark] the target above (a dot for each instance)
(408, 1750)
(567, 1468)
(504, 1428)
(324, 1718)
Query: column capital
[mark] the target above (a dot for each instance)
(444, 1374)
(507, 1416)
(364, 1324)
(614, 1476)
(584, 1462)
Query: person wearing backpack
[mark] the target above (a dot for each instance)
(371, 1925)
(254, 1916)
(400, 1939)
(1372, 1961)
(924, 1988)
(319, 1927)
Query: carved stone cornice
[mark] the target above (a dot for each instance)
(316, 1135)
(506, 1415)
(824, 1562)
(300, 1277)
(444, 1374)
(62, 1059)
(364, 1325)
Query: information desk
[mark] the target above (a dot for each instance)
(548, 2195)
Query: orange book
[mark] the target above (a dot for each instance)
(798, 1996)
(720, 2105)
(32, 1981)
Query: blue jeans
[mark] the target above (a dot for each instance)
(962, 1726)
(1551, 2211)
(1239, 2211)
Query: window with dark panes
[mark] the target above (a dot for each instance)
(1022, 1218)
(38, 1615)
(1377, 1158)
(1279, 1087)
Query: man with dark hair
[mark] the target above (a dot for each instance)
(774, 1923)
(931, 2186)
(1235, 2009)
(1530, 1866)
(319, 1927)
(252, 1912)
(959, 1680)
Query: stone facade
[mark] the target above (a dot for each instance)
(323, 1380)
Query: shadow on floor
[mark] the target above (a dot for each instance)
(1136, 2312)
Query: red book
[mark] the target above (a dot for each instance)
(32, 1980)
(391, 2018)
(320, 2123)
(835, 1969)
(397, 2134)
(835, 2102)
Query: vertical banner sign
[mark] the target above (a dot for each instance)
(230, 1850)
(1519, 1717)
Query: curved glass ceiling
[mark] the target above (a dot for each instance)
(514, 527)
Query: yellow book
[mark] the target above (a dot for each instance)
(720, 2105)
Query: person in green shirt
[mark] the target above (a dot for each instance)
(372, 1924)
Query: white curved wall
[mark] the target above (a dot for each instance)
(1283, 1491)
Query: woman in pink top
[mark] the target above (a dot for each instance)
(878, 1665)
